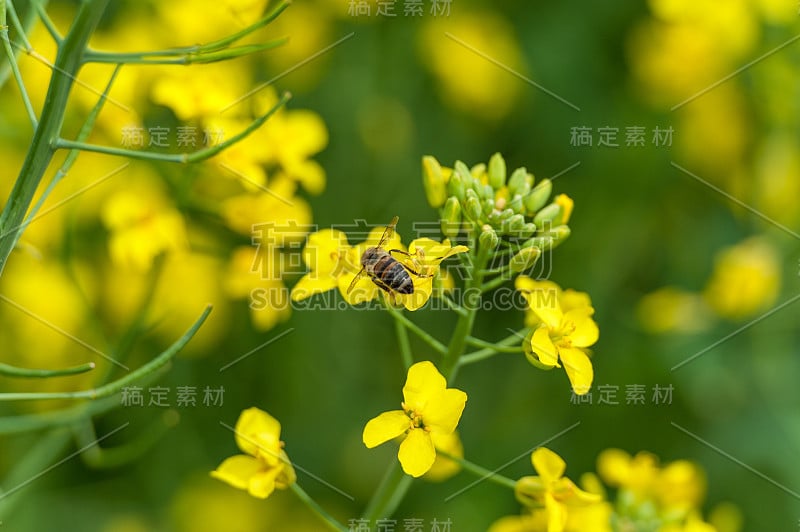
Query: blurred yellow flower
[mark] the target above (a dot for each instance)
(256, 276)
(202, 90)
(469, 82)
(746, 279)
(552, 490)
(563, 332)
(429, 408)
(143, 224)
(620, 470)
(671, 309)
(276, 204)
(264, 466)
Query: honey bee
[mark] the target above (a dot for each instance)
(383, 269)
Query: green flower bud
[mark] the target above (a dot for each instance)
(538, 196)
(462, 170)
(434, 182)
(472, 208)
(488, 238)
(528, 230)
(559, 234)
(456, 187)
(544, 243)
(451, 218)
(516, 204)
(478, 171)
(547, 214)
(485, 191)
(470, 193)
(488, 206)
(497, 171)
(517, 179)
(524, 259)
(513, 224)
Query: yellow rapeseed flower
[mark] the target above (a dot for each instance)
(565, 329)
(746, 279)
(264, 466)
(552, 490)
(335, 263)
(429, 408)
(143, 224)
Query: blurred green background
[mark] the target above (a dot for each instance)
(400, 88)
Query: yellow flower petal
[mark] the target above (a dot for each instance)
(262, 484)
(326, 251)
(546, 308)
(423, 288)
(444, 468)
(423, 382)
(556, 514)
(258, 434)
(385, 427)
(364, 290)
(444, 410)
(312, 283)
(237, 470)
(566, 204)
(543, 346)
(578, 367)
(548, 464)
(417, 453)
(586, 332)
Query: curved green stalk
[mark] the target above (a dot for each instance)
(25, 373)
(390, 493)
(41, 150)
(192, 157)
(329, 520)
(113, 387)
(481, 472)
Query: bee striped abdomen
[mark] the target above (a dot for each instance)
(392, 274)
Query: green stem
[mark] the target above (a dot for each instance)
(72, 156)
(477, 356)
(389, 494)
(416, 329)
(494, 283)
(481, 472)
(192, 157)
(48, 24)
(497, 346)
(458, 341)
(327, 518)
(22, 28)
(405, 344)
(117, 385)
(98, 457)
(41, 149)
(136, 57)
(12, 371)
(12, 61)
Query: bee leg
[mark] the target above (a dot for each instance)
(409, 255)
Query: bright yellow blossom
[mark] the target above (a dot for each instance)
(563, 332)
(429, 408)
(671, 309)
(335, 263)
(143, 225)
(255, 275)
(746, 279)
(264, 466)
(551, 490)
(566, 203)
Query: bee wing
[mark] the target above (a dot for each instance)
(358, 276)
(387, 234)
